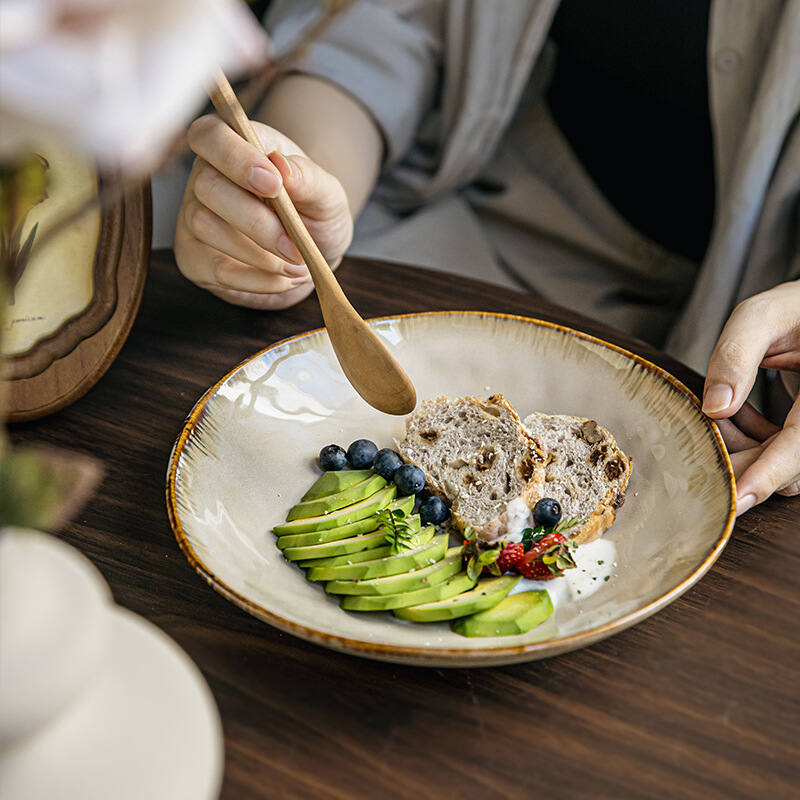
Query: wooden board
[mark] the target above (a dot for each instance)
(69, 377)
(74, 330)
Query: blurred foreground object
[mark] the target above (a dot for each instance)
(115, 78)
(95, 702)
(93, 95)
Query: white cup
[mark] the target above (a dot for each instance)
(54, 630)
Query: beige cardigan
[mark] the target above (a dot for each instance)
(551, 226)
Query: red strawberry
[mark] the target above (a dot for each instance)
(534, 570)
(543, 545)
(510, 556)
(552, 547)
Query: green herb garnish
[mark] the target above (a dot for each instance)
(478, 557)
(532, 535)
(558, 558)
(399, 535)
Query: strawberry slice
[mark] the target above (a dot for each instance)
(547, 558)
(544, 544)
(535, 571)
(510, 556)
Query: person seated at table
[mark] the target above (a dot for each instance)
(635, 161)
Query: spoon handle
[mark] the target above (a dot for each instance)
(230, 109)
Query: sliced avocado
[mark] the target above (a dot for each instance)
(333, 502)
(390, 565)
(516, 614)
(405, 582)
(345, 532)
(405, 504)
(353, 544)
(420, 539)
(344, 516)
(331, 535)
(487, 594)
(335, 481)
(385, 602)
(347, 558)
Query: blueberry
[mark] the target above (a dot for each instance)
(361, 453)
(332, 457)
(387, 462)
(547, 512)
(409, 479)
(433, 511)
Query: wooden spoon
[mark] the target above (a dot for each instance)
(368, 365)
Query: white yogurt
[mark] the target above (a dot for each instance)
(518, 517)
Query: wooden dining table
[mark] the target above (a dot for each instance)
(699, 701)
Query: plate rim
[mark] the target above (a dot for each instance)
(445, 656)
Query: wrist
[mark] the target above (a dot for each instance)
(326, 122)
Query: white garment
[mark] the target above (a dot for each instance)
(445, 82)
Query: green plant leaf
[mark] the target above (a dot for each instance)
(41, 488)
(23, 185)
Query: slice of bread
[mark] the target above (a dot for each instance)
(586, 471)
(477, 456)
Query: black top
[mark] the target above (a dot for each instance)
(630, 94)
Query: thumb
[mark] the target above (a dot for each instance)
(315, 192)
(733, 365)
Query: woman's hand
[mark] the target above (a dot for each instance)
(229, 241)
(763, 331)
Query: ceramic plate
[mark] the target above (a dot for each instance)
(247, 453)
(105, 705)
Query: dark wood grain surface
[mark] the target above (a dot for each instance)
(700, 701)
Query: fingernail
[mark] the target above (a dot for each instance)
(745, 503)
(295, 270)
(265, 182)
(718, 397)
(282, 163)
(286, 247)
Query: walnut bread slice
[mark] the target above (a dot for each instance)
(478, 457)
(586, 471)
